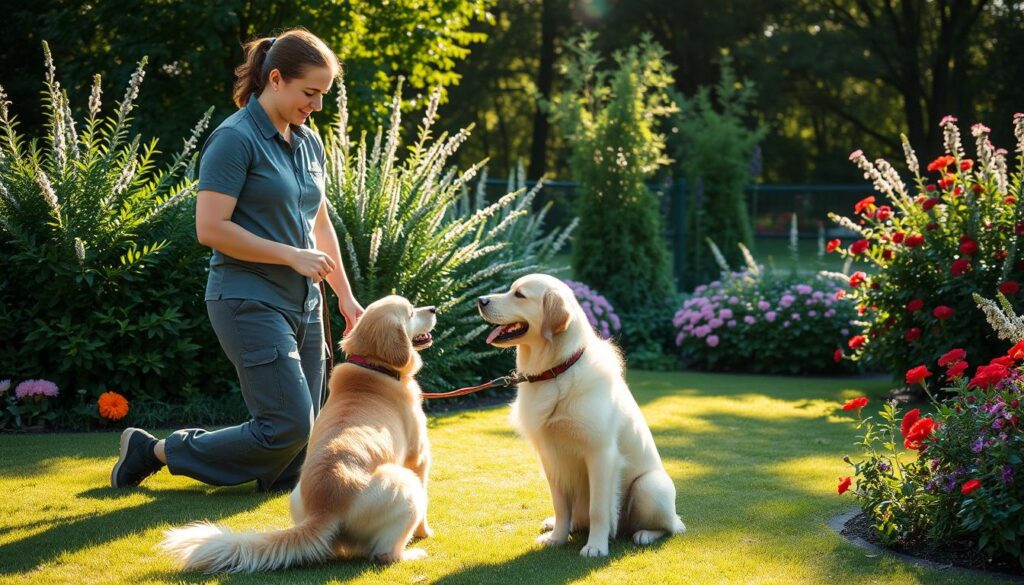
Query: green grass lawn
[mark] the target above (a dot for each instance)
(755, 460)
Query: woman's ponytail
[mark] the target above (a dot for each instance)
(249, 76)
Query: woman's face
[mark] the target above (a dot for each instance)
(296, 99)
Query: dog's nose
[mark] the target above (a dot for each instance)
(433, 310)
(482, 301)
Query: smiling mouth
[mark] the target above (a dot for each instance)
(508, 332)
(422, 341)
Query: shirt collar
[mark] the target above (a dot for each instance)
(267, 128)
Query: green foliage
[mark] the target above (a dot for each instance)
(407, 226)
(763, 321)
(957, 235)
(715, 153)
(423, 40)
(610, 117)
(103, 278)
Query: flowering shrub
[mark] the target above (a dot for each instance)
(959, 474)
(599, 311)
(29, 405)
(957, 234)
(760, 321)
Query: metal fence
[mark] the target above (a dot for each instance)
(771, 208)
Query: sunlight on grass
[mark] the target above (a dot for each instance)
(755, 460)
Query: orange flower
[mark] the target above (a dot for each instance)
(855, 403)
(112, 406)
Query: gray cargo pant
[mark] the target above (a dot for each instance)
(280, 358)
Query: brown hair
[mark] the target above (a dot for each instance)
(291, 53)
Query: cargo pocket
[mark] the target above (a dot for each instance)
(262, 388)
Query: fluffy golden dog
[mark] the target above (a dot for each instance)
(598, 454)
(362, 491)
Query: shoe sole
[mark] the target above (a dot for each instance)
(125, 437)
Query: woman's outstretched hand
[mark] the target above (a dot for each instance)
(351, 310)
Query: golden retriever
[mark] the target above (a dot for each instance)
(362, 490)
(597, 452)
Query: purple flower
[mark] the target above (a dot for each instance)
(749, 320)
(978, 445)
(1007, 474)
(725, 314)
(803, 289)
(5, 385)
(795, 316)
(763, 305)
(883, 466)
(716, 323)
(770, 316)
(702, 331)
(731, 323)
(712, 340)
(36, 388)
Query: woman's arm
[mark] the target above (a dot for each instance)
(215, 229)
(326, 240)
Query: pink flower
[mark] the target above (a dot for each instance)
(36, 388)
(712, 340)
(5, 385)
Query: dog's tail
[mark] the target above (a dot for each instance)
(202, 546)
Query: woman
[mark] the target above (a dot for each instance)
(261, 208)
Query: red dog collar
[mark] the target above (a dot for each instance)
(362, 362)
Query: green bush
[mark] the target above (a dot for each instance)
(408, 226)
(715, 150)
(610, 117)
(103, 279)
(930, 251)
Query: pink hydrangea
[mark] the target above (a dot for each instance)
(36, 388)
(712, 340)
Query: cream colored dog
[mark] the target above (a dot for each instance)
(602, 466)
(362, 490)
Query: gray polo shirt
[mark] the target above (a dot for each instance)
(279, 189)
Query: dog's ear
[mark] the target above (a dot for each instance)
(556, 314)
(381, 337)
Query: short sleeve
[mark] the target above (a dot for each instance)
(224, 162)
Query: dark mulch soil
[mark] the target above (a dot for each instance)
(959, 554)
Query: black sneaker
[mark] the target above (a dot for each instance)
(137, 461)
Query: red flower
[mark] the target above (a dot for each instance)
(970, 487)
(966, 164)
(941, 163)
(919, 431)
(884, 212)
(1009, 200)
(942, 312)
(912, 334)
(840, 294)
(929, 203)
(837, 356)
(855, 403)
(999, 255)
(859, 246)
(832, 245)
(1017, 351)
(844, 484)
(977, 188)
(917, 375)
(915, 305)
(1009, 288)
(946, 181)
(856, 341)
(914, 240)
(989, 375)
(960, 266)
(968, 247)
(952, 356)
(908, 420)
(930, 188)
(898, 237)
(863, 204)
(857, 278)
(956, 371)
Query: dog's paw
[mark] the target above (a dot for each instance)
(643, 537)
(409, 554)
(594, 550)
(548, 524)
(550, 540)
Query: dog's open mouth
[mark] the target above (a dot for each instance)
(507, 332)
(422, 341)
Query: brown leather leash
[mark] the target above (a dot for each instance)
(511, 379)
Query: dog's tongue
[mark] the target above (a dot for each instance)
(495, 333)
